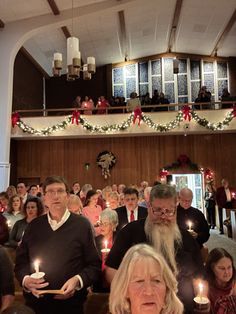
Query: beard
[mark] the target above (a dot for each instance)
(163, 238)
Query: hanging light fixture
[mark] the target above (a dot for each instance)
(73, 59)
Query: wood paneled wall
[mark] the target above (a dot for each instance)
(138, 158)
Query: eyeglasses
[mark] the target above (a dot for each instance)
(104, 224)
(164, 211)
(53, 193)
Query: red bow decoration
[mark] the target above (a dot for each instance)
(186, 112)
(234, 111)
(208, 174)
(137, 115)
(75, 117)
(183, 160)
(163, 173)
(15, 117)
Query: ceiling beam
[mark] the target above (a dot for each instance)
(174, 25)
(224, 34)
(1, 24)
(35, 63)
(66, 31)
(53, 7)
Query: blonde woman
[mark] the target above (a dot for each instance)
(144, 284)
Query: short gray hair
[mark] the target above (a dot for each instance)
(111, 215)
(162, 191)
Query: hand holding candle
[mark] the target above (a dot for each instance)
(190, 224)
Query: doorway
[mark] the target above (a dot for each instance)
(193, 182)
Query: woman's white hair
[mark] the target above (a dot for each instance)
(111, 215)
(118, 301)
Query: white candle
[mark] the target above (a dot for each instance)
(36, 266)
(107, 204)
(9, 223)
(200, 286)
(190, 225)
(106, 249)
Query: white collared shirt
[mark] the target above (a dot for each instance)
(56, 225)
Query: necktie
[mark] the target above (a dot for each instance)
(131, 215)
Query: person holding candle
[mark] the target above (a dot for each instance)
(160, 229)
(64, 245)
(14, 211)
(88, 105)
(221, 276)
(187, 214)
(144, 284)
(104, 242)
(92, 210)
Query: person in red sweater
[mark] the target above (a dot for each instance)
(220, 275)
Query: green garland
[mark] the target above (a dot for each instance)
(127, 123)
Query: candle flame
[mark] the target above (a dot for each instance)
(105, 242)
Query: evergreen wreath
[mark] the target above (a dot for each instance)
(106, 160)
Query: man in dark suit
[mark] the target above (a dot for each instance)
(131, 211)
(224, 198)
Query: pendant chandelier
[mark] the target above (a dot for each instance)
(74, 66)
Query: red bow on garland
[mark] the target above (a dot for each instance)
(15, 117)
(208, 174)
(137, 115)
(163, 173)
(186, 112)
(234, 111)
(75, 117)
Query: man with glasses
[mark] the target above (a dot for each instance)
(191, 218)
(64, 246)
(130, 211)
(160, 230)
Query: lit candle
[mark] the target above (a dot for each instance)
(9, 223)
(106, 249)
(190, 226)
(85, 105)
(36, 266)
(107, 204)
(200, 299)
(38, 274)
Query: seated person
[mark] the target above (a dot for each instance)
(108, 224)
(144, 284)
(74, 204)
(6, 281)
(221, 276)
(203, 96)
(226, 97)
(32, 208)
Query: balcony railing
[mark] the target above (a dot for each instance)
(123, 109)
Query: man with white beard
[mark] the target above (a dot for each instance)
(160, 230)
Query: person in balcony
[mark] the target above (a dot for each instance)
(133, 102)
(102, 105)
(87, 105)
(203, 96)
(226, 97)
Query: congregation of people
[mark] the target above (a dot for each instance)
(142, 245)
(156, 103)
